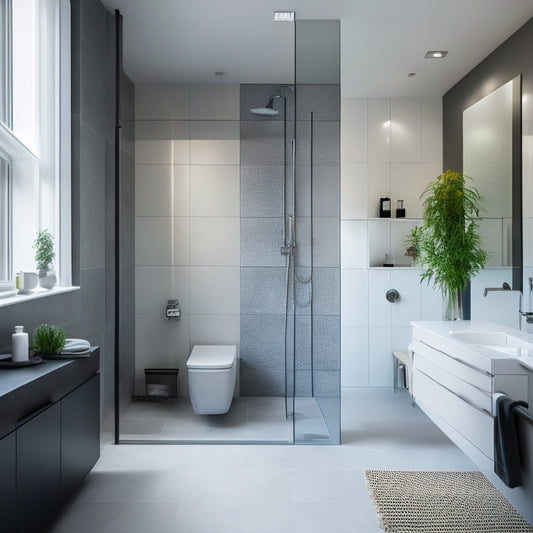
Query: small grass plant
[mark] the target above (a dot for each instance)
(48, 339)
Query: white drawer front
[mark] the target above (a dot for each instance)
(475, 425)
(477, 397)
(478, 378)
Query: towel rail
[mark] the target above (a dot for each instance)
(523, 412)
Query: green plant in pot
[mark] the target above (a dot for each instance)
(449, 247)
(413, 244)
(44, 255)
(48, 339)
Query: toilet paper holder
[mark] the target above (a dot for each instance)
(173, 310)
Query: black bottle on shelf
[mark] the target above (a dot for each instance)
(384, 208)
(400, 209)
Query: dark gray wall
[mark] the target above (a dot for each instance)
(509, 60)
(263, 268)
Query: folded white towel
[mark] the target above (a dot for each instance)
(76, 346)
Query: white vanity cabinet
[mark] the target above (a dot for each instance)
(454, 382)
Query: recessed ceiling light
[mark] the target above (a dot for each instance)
(436, 54)
(284, 16)
(411, 74)
(219, 73)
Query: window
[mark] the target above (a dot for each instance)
(34, 133)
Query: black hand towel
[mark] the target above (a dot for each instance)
(506, 451)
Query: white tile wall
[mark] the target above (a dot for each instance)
(379, 309)
(215, 241)
(390, 147)
(162, 190)
(215, 190)
(215, 142)
(354, 138)
(214, 102)
(405, 130)
(354, 358)
(161, 102)
(154, 285)
(354, 304)
(354, 190)
(379, 130)
(215, 290)
(430, 130)
(379, 186)
(162, 241)
(379, 357)
(187, 227)
(161, 343)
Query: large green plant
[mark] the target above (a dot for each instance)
(449, 245)
(44, 249)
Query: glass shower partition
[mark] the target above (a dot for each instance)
(315, 313)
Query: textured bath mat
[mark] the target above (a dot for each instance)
(441, 502)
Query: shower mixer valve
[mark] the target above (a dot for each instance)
(173, 311)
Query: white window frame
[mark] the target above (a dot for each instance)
(16, 153)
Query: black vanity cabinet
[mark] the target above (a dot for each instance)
(80, 435)
(49, 439)
(39, 469)
(8, 470)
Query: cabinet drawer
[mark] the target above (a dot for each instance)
(474, 424)
(468, 392)
(476, 377)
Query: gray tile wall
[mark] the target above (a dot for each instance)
(93, 201)
(263, 270)
(92, 178)
(89, 312)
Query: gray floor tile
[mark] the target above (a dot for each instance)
(262, 488)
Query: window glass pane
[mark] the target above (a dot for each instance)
(25, 65)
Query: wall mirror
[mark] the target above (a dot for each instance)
(491, 157)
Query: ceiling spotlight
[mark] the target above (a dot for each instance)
(219, 73)
(411, 74)
(436, 54)
(284, 16)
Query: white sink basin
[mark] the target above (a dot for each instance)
(495, 340)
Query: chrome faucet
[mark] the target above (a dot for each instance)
(504, 287)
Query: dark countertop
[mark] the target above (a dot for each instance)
(25, 390)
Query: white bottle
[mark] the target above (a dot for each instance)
(19, 346)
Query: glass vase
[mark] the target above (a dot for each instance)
(452, 304)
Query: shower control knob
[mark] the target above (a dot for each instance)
(392, 295)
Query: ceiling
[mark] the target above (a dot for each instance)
(382, 41)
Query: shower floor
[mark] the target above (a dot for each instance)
(249, 420)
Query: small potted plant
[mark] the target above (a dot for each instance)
(48, 340)
(413, 244)
(449, 246)
(44, 255)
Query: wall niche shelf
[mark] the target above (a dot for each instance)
(387, 237)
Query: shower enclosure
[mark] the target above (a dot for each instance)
(268, 187)
(290, 275)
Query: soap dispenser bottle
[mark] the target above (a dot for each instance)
(19, 345)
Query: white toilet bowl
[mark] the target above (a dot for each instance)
(211, 374)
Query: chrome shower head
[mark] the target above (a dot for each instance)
(267, 110)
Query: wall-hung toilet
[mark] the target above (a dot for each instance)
(211, 374)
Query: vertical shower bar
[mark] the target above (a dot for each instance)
(284, 199)
(311, 162)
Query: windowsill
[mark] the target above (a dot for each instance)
(36, 293)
